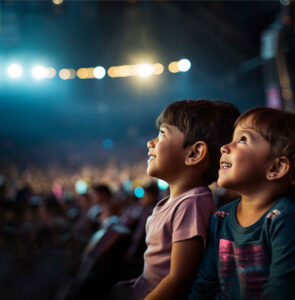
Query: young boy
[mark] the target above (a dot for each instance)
(186, 155)
(251, 243)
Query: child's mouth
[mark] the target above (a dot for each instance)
(225, 165)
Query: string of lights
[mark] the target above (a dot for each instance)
(15, 71)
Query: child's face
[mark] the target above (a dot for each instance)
(245, 161)
(166, 153)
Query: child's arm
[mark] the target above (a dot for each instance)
(185, 258)
(206, 285)
(281, 280)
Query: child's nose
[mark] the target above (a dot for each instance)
(224, 149)
(151, 143)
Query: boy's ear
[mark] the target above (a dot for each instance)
(279, 168)
(197, 153)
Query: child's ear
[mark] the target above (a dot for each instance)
(279, 168)
(197, 153)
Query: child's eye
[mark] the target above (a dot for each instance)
(243, 140)
(161, 132)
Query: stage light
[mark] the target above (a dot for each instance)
(139, 192)
(99, 72)
(163, 185)
(14, 71)
(51, 72)
(81, 187)
(64, 74)
(173, 67)
(39, 72)
(57, 2)
(184, 65)
(82, 73)
(158, 69)
(144, 70)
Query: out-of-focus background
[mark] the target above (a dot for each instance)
(81, 85)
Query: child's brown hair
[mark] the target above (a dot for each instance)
(203, 120)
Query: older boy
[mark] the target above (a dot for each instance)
(186, 155)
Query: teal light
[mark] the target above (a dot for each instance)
(139, 192)
(163, 185)
(81, 187)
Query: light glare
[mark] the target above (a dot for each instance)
(99, 72)
(145, 70)
(39, 72)
(14, 71)
(184, 65)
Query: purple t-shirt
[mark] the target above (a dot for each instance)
(182, 218)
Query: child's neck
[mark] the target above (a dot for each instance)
(181, 186)
(252, 207)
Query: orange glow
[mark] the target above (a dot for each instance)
(64, 74)
(158, 69)
(82, 73)
(173, 67)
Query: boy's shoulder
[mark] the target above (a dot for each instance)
(226, 210)
(284, 207)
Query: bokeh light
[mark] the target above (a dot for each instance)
(51, 72)
(39, 72)
(14, 71)
(163, 185)
(184, 65)
(158, 69)
(81, 187)
(99, 72)
(145, 70)
(139, 192)
(64, 74)
(173, 67)
(57, 2)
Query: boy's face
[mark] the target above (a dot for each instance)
(166, 153)
(245, 161)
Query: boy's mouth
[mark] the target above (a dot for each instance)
(225, 165)
(151, 156)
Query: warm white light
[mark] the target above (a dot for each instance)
(39, 72)
(145, 70)
(99, 72)
(57, 2)
(14, 70)
(184, 65)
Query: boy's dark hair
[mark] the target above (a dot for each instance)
(277, 127)
(203, 120)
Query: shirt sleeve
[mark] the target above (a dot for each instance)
(206, 284)
(190, 219)
(281, 279)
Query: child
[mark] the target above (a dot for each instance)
(251, 242)
(186, 155)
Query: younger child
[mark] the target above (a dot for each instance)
(251, 243)
(186, 155)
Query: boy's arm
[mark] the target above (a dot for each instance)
(281, 281)
(206, 284)
(185, 258)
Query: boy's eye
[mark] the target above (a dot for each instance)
(243, 140)
(161, 132)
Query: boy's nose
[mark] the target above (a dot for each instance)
(224, 149)
(151, 143)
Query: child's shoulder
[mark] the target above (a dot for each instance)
(226, 209)
(283, 208)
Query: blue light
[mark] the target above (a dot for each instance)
(108, 144)
(163, 185)
(127, 186)
(81, 187)
(139, 192)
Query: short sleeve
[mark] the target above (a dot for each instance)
(190, 219)
(280, 283)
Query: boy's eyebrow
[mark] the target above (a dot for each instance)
(247, 131)
(165, 126)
